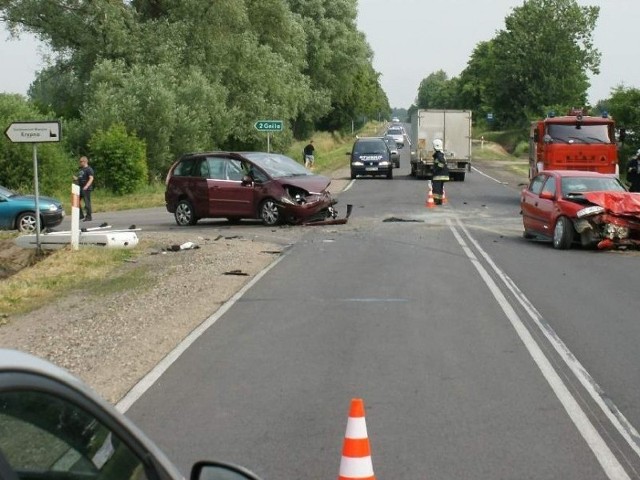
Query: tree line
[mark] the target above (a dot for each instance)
(157, 78)
(538, 63)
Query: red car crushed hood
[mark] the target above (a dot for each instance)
(613, 221)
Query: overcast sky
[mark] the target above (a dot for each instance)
(413, 38)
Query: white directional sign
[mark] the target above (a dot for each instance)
(269, 125)
(33, 132)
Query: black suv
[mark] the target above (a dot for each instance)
(371, 156)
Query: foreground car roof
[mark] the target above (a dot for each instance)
(15, 364)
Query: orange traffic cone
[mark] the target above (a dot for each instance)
(356, 453)
(429, 202)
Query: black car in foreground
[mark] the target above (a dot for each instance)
(371, 156)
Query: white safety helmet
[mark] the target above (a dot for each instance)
(437, 145)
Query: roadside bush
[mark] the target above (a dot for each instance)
(509, 139)
(118, 159)
(521, 150)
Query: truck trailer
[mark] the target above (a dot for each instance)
(453, 127)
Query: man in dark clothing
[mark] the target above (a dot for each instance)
(309, 159)
(85, 181)
(440, 171)
(633, 173)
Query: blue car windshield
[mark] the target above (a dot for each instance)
(277, 165)
(5, 192)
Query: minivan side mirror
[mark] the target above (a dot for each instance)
(246, 180)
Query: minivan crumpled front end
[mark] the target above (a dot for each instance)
(300, 205)
(613, 221)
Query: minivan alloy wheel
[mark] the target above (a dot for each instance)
(184, 213)
(270, 212)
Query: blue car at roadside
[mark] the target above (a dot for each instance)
(18, 212)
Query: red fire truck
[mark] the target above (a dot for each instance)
(573, 142)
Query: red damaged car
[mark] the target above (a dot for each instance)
(589, 208)
(233, 185)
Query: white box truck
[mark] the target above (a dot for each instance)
(453, 127)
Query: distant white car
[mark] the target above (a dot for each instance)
(395, 120)
(397, 133)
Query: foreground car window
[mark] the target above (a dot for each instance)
(42, 436)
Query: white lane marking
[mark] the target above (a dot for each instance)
(154, 374)
(610, 464)
(490, 177)
(349, 185)
(615, 416)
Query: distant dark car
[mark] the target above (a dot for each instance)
(237, 185)
(18, 212)
(591, 208)
(371, 156)
(55, 427)
(393, 148)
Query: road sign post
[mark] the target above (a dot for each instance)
(269, 126)
(34, 133)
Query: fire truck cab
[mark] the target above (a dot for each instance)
(573, 142)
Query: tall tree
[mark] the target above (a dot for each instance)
(474, 80)
(541, 58)
(338, 59)
(437, 90)
(624, 106)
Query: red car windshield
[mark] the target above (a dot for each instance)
(578, 185)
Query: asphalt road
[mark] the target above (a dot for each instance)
(478, 354)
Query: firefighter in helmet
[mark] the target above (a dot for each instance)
(440, 171)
